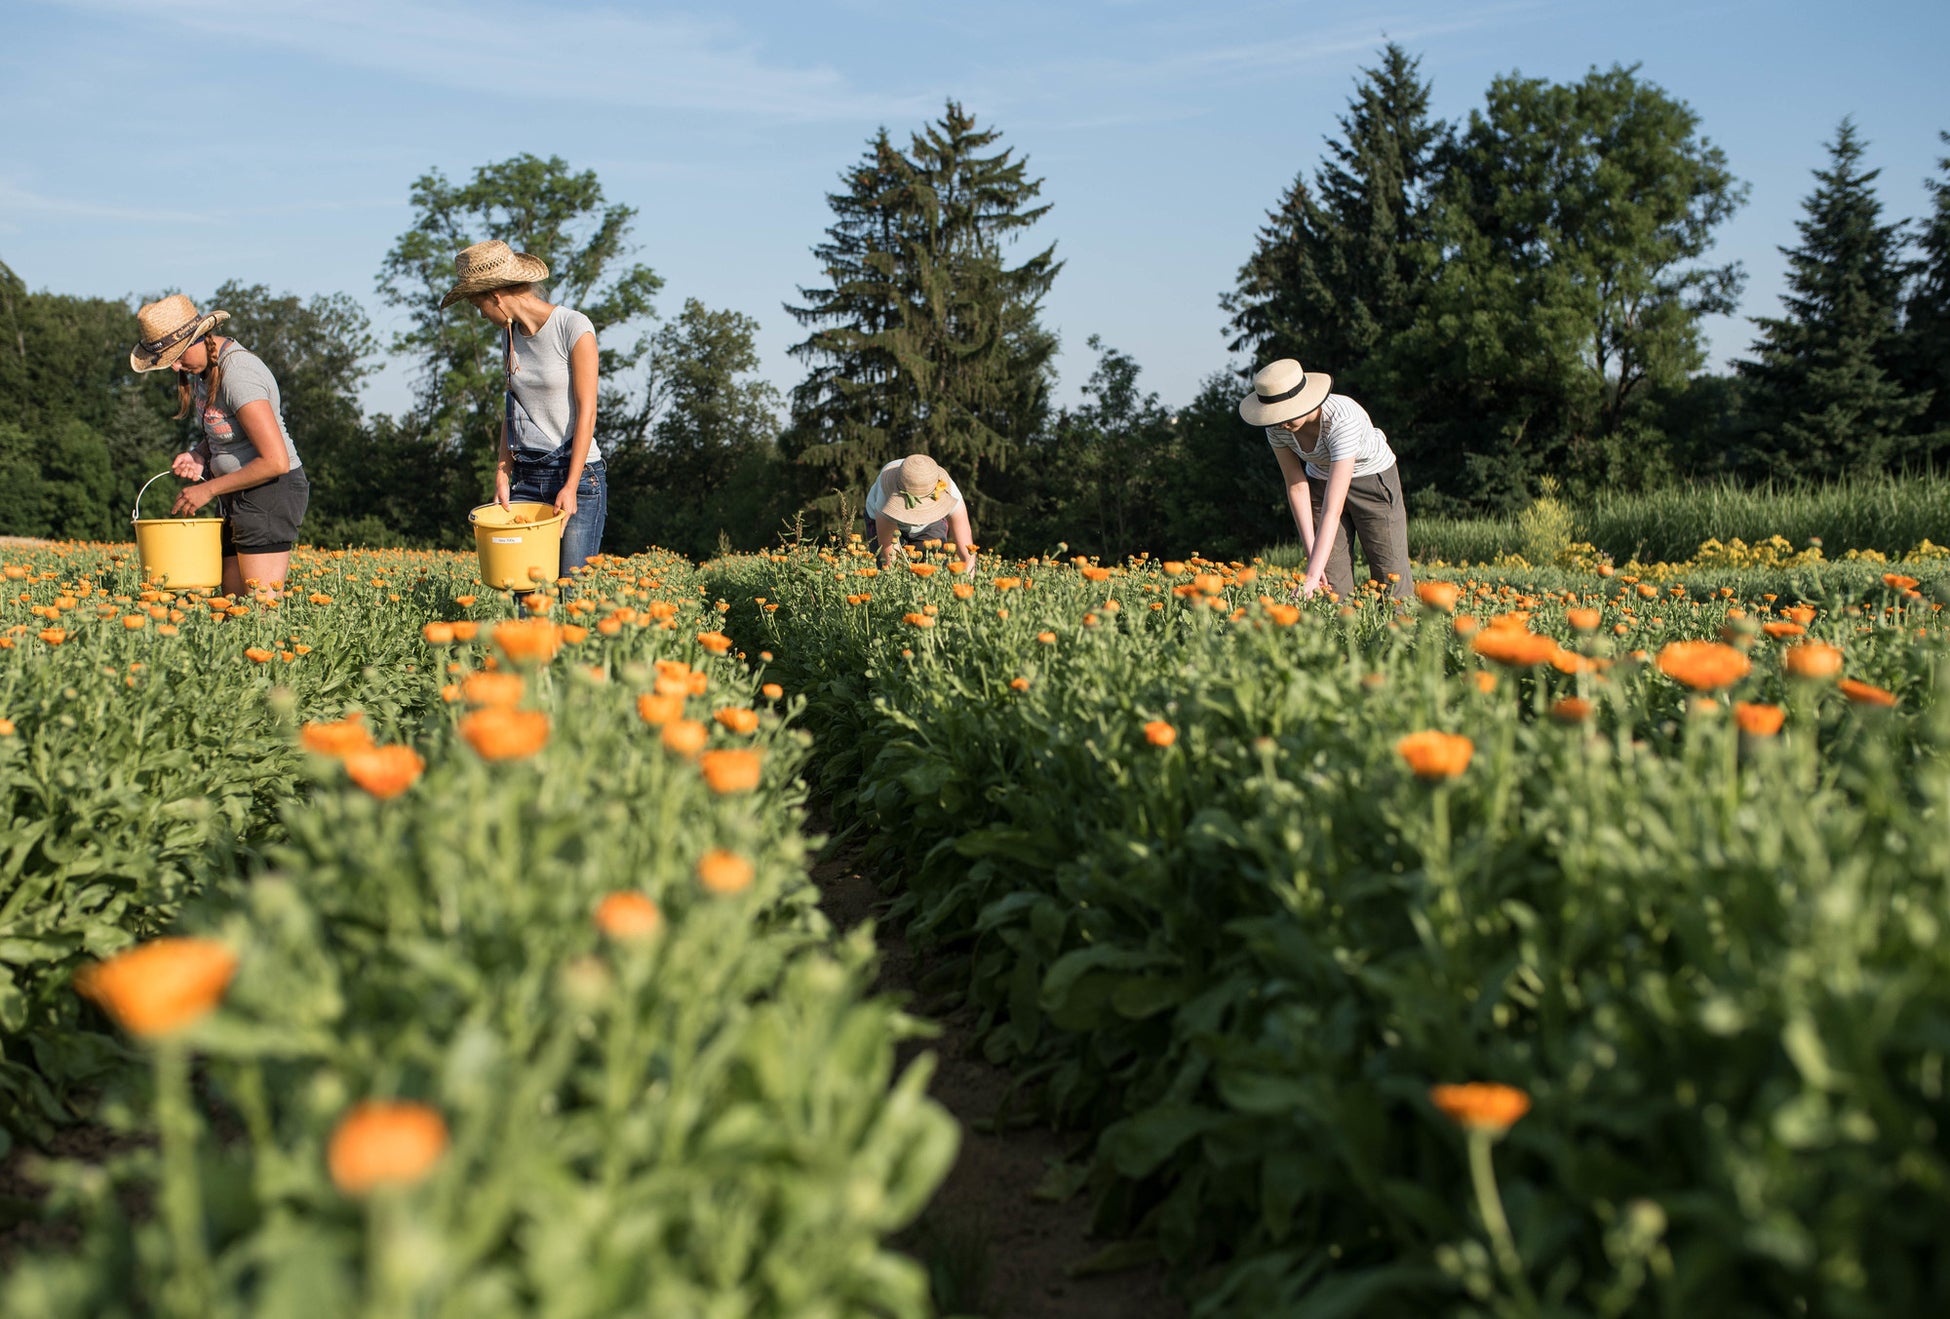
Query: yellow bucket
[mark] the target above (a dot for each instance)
(510, 549)
(177, 552)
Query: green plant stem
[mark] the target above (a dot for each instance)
(187, 1290)
(1482, 1172)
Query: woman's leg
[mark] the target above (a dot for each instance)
(1381, 520)
(582, 537)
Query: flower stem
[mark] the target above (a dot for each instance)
(1482, 1172)
(187, 1290)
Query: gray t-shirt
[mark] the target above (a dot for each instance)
(245, 380)
(542, 413)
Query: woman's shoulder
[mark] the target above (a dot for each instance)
(570, 324)
(1340, 410)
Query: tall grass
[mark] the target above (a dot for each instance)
(1890, 514)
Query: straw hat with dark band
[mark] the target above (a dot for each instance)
(492, 265)
(1283, 391)
(168, 329)
(920, 494)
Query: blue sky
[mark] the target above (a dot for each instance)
(179, 145)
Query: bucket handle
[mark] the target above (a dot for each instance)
(135, 514)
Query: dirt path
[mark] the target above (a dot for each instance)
(993, 1248)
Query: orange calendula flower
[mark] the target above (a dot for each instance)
(628, 917)
(500, 732)
(771, 691)
(161, 986)
(6, 728)
(715, 642)
(730, 771)
(53, 636)
(1438, 595)
(1863, 693)
(657, 710)
(1283, 615)
(1481, 1105)
(382, 1143)
(1757, 718)
(1777, 630)
(1512, 646)
(1158, 733)
(1802, 614)
(1435, 756)
(1584, 620)
(438, 634)
(259, 655)
(135, 622)
(1812, 659)
(1704, 666)
(573, 634)
(1018, 684)
(1485, 681)
(491, 688)
(1047, 638)
(386, 771)
(1570, 710)
(737, 719)
(685, 737)
(465, 629)
(724, 873)
(464, 601)
(337, 739)
(1895, 581)
(921, 569)
(528, 640)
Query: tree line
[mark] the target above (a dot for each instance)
(1514, 295)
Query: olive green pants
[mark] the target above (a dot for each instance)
(1375, 513)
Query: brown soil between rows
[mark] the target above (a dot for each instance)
(1030, 1245)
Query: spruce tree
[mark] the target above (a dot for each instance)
(925, 339)
(1826, 400)
(1925, 355)
(1339, 266)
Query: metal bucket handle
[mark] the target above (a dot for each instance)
(135, 514)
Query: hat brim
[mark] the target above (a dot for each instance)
(140, 362)
(924, 512)
(1254, 412)
(526, 270)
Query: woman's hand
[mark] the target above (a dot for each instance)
(1312, 585)
(566, 501)
(503, 487)
(187, 466)
(191, 501)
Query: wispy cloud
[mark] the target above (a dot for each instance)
(26, 201)
(599, 56)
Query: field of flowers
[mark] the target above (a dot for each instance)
(437, 961)
(1569, 943)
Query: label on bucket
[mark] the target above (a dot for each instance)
(505, 540)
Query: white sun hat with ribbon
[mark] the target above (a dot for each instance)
(1282, 391)
(921, 493)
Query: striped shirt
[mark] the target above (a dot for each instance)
(1345, 432)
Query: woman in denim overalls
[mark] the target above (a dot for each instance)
(548, 452)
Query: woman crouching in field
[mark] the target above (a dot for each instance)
(548, 452)
(1340, 475)
(912, 502)
(252, 465)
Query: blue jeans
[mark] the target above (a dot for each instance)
(540, 479)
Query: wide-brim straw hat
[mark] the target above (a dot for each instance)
(492, 265)
(1282, 391)
(921, 493)
(168, 329)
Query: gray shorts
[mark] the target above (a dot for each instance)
(1374, 512)
(264, 519)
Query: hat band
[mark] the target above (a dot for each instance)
(174, 337)
(1281, 398)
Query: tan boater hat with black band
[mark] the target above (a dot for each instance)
(1282, 391)
(168, 328)
(492, 265)
(920, 494)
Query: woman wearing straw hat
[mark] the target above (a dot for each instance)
(912, 502)
(247, 455)
(548, 452)
(1341, 477)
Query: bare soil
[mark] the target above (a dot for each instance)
(1008, 1254)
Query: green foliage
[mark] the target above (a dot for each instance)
(1826, 396)
(926, 339)
(1925, 344)
(1544, 529)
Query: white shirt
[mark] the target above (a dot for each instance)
(1345, 432)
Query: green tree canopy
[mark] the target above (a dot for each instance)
(1925, 348)
(1826, 398)
(925, 339)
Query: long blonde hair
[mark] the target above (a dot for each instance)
(212, 382)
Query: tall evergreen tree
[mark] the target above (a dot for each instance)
(1925, 355)
(1826, 398)
(1340, 266)
(925, 340)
